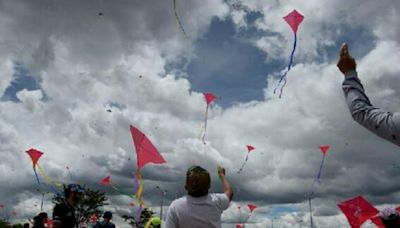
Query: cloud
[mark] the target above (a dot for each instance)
(86, 62)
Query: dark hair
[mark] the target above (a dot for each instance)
(26, 225)
(107, 215)
(38, 219)
(198, 181)
(393, 222)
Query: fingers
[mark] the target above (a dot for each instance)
(344, 50)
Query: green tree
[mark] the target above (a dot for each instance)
(4, 223)
(89, 203)
(145, 216)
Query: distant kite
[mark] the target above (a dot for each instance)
(249, 149)
(294, 19)
(107, 182)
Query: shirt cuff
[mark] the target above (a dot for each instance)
(352, 74)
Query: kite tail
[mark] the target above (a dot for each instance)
(140, 191)
(244, 163)
(36, 175)
(178, 20)
(137, 184)
(139, 213)
(283, 77)
(205, 125)
(47, 178)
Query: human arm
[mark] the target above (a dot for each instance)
(384, 124)
(227, 188)
(171, 220)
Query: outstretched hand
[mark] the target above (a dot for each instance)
(345, 63)
(221, 171)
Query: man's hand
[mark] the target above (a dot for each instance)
(346, 63)
(227, 187)
(221, 171)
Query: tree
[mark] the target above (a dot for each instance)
(88, 204)
(4, 224)
(145, 216)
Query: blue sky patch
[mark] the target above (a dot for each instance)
(23, 79)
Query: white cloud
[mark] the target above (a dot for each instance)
(86, 62)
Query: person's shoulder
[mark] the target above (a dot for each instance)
(178, 202)
(217, 195)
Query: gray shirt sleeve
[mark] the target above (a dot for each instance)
(171, 220)
(384, 124)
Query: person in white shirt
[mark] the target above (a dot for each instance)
(199, 209)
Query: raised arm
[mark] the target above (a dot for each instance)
(225, 183)
(384, 124)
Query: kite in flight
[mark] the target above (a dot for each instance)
(357, 210)
(294, 19)
(209, 97)
(324, 149)
(107, 181)
(35, 156)
(146, 153)
(249, 149)
(251, 207)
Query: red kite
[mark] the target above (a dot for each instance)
(146, 152)
(252, 207)
(324, 148)
(249, 149)
(294, 20)
(106, 180)
(378, 221)
(357, 210)
(210, 97)
(35, 156)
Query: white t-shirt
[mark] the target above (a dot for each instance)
(197, 212)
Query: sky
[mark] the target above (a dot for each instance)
(64, 64)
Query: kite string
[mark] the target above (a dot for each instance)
(178, 20)
(283, 77)
(244, 163)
